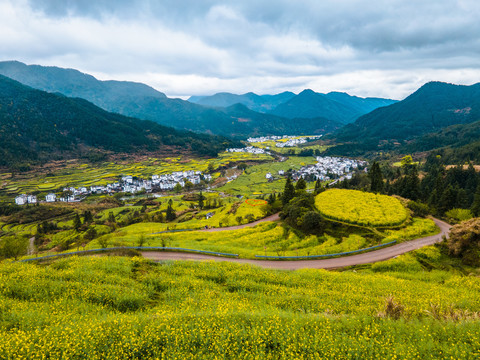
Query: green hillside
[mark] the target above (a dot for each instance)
(336, 106)
(38, 126)
(143, 102)
(430, 109)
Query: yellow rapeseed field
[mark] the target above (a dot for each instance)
(361, 208)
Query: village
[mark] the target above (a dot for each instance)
(326, 169)
(127, 184)
(282, 137)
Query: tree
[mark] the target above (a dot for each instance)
(170, 215)
(313, 223)
(87, 217)
(201, 199)
(239, 220)
(376, 178)
(77, 223)
(188, 185)
(242, 166)
(111, 217)
(301, 184)
(318, 187)
(177, 188)
(476, 202)
(447, 199)
(406, 161)
(211, 167)
(288, 192)
(13, 246)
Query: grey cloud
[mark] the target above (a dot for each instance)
(222, 42)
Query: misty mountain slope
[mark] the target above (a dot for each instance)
(336, 106)
(259, 103)
(144, 102)
(433, 107)
(39, 126)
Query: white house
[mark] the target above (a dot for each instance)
(281, 172)
(21, 199)
(31, 199)
(268, 176)
(51, 197)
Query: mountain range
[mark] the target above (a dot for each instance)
(436, 115)
(143, 102)
(337, 106)
(37, 126)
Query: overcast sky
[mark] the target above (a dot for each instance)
(383, 48)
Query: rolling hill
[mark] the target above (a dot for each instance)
(433, 107)
(36, 126)
(143, 102)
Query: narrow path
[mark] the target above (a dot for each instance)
(273, 217)
(366, 258)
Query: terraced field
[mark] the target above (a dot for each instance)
(253, 181)
(72, 174)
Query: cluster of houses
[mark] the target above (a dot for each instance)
(25, 199)
(127, 184)
(326, 168)
(249, 149)
(329, 168)
(275, 138)
(290, 142)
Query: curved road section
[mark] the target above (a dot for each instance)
(365, 258)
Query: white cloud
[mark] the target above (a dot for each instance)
(188, 47)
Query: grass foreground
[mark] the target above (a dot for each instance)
(131, 308)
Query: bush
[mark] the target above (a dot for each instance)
(464, 242)
(419, 209)
(459, 215)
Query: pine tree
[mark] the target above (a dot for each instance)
(170, 215)
(77, 223)
(200, 200)
(412, 184)
(448, 199)
(476, 202)
(301, 184)
(87, 217)
(288, 192)
(318, 187)
(376, 178)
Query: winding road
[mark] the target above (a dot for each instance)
(365, 258)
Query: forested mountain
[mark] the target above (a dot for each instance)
(336, 106)
(431, 108)
(144, 102)
(36, 126)
(259, 103)
(457, 143)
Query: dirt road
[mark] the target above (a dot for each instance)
(366, 258)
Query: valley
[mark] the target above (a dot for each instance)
(123, 238)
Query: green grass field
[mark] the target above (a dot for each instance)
(119, 308)
(253, 181)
